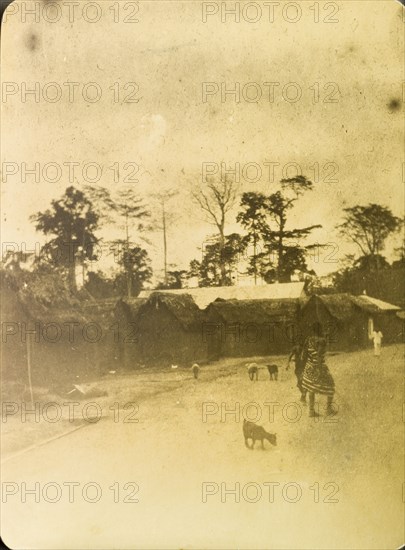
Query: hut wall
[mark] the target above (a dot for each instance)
(163, 338)
(249, 339)
(391, 326)
(246, 329)
(126, 336)
(340, 332)
(13, 357)
(13, 350)
(359, 329)
(244, 339)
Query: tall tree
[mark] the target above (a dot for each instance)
(215, 257)
(136, 264)
(400, 250)
(71, 221)
(99, 285)
(252, 218)
(216, 199)
(131, 210)
(369, 227)
(265, 218)
(174, 279)
(283, 241)
(166, 218)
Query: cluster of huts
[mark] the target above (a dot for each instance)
(177, 327)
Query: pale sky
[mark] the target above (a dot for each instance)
(170, 132)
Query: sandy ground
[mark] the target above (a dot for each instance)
(163, 474)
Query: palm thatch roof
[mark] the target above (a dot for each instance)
(205, 296)
(284, 310)
(253, 311)
(343, 306)
(182, 307)
(37, 311)
(373, 305)
(340, 306)
(49, 302)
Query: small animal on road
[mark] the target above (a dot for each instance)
(273, 371)
(196, 370)
(253, 371)
(256, 433)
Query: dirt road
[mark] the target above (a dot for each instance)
(331, 483)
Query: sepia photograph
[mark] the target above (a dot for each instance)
(202, 275)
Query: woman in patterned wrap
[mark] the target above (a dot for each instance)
(316, 377)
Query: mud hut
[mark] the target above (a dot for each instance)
(167, 329)
(381, 315)
(244, 328)
(127, 332)
(349, 320)
(49, 343)
(101, 318)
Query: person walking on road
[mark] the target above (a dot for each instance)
(316, 377)
(296, 354)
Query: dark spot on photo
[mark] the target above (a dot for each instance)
(32, 42)
(394, 105)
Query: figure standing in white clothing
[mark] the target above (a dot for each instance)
(377, 339)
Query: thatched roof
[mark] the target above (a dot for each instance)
(182, 307)
(340, 306)
(38, 312)
(253, 311)
(39, 298)
(373, 305)
(236, 311)
(281, 309)
(343, 306)
(205, 296)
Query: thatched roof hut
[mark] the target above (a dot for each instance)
(349, 320)
(252, 327)
(182, 307)
(46, 325)
(32, 303)
(165, 328)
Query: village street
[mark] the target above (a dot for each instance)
(330, 483)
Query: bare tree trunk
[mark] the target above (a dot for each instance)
(280, 259)
(72, 275)
(254, 258)
(29, 367)
(164, 242)
(222, 264)
(128, 272)
(129, 284)
(280, 263)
